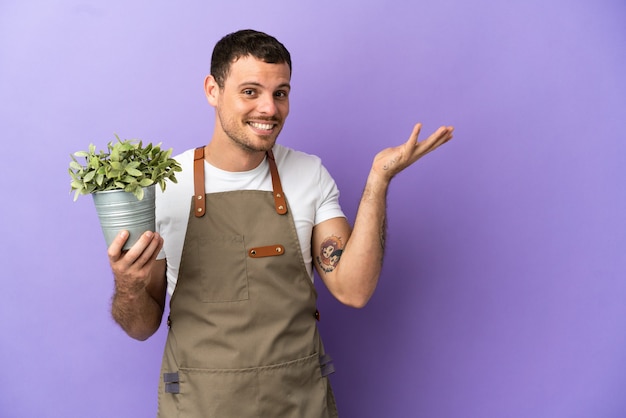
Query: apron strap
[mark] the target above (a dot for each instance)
(198, 184)
(171, 382)
(326, 365)
(279, 196)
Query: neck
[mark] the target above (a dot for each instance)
(232, 159)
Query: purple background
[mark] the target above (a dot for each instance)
(503, 292)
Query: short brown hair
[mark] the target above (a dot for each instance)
(244, 43)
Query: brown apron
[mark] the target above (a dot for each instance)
(243, 338)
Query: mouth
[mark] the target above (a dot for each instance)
(262, 128)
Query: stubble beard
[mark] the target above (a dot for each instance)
(238, 135)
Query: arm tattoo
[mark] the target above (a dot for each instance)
(330, 253)
(383, 234)
(390, 164)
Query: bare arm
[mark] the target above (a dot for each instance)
(353, 280)
(140, 285)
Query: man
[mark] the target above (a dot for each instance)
(235, 243)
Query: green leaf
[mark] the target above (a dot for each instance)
(89, 176)
(133, 171)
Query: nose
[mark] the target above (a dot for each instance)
(267, 105)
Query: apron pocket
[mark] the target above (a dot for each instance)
(222, 261)
(214, 393)
(295, 389)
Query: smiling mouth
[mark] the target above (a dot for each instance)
(262, 126)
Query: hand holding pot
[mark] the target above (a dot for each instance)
(139, 298)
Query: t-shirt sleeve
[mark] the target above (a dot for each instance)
(329, 198)
(159, 222)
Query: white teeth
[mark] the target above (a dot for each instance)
(266, 126)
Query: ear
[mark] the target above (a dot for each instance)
(211, 90)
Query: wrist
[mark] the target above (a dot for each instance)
(378, 180)
(129, 290)
(376, 185)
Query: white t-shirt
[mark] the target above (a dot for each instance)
(310, 190)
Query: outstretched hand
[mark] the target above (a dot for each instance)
(391, 161)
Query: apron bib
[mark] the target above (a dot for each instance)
(243, 338)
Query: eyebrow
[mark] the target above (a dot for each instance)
(256, 84)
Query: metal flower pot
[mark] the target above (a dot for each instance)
(119, 210)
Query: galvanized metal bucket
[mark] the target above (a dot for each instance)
(119, 210)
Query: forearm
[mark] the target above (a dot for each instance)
(136, 312)
(138, 304)
(362, 259)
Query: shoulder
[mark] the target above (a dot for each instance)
(185, 159)
(290, 159)
(184, 178)
(301, 173)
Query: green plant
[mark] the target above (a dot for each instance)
(126, 165)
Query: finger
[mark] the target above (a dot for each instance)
(451, 131)
(151, 251)
(115, 249)
(436, 139)
(414, 134)
(139, 250)
(440, 136)
(447, 135)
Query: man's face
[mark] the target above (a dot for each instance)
(254, 103)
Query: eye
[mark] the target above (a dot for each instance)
(248, 92)
(281, 94)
